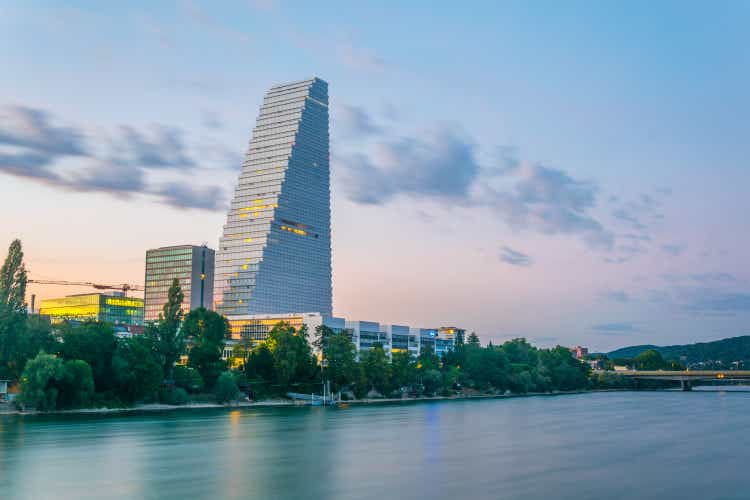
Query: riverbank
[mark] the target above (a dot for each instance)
(6, 409)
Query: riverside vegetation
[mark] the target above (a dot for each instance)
(85, 365)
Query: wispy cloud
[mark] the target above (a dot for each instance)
(619, 328)
(514, 257)
(354, 122)
(673, 249)
(360, 58)
(616, 296)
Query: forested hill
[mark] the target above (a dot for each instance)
(725, 351)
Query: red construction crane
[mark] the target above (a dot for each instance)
(125, 287)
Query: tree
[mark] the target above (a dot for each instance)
(260, 365)
(291, 355)
(166, 338)
(12, 313)
(403, 369)
(207, 330)
(377, 368)
(473, 339)
(38, 388)
(49, 383)
(650, 360)
(322, 334)
(95, 343)
(226, 389)
(76, 385)
(137, 374)
(341, 359)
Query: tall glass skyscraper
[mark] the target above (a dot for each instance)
(275, 252)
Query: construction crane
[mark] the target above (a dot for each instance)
(125, 287)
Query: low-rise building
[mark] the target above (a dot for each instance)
(112, 307)
(364, 334)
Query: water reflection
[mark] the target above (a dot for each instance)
(615, 445)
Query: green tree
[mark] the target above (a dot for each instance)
(137, 374)
(48, 383)
(207, 331)
(226, 389)
(473, 339)
(188, 378)
(564, 371)
(377, 368)
(166, 338)
(95, 343)
(650, 360)
(322, 334)
(260, 365)
(403, 369)
(76, 385)
(12, 313)
(291, 355)
(38, 388)
(340, 355)
(432, 380)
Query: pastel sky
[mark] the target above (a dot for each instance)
(571, 172)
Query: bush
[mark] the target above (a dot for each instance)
(188, 379)
(226, 389)
(49, 383)
(174, 396)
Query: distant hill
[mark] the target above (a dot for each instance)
(724, 351)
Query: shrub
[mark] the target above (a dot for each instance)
(188, 379)
(226, 389)
(174, 396)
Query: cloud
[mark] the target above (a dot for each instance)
(122, 171)
(442, 164)
(622, 215)
(30, 165)
(107, 177)
(708, 301)
(616, 296)
(548, 201)
(209, 22)
(360, 58)
(355, 122)
(672, 249)
(165, 149)
(212, 120)
(439, 165)
(622, 328)
(183, 195)
(514, 257)
(30, 128)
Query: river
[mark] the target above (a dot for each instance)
(623, 445)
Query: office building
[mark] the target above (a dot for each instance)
(192, 265)
(364, 334)
(112, 307)
(274, 255)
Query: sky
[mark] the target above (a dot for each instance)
(569, 172)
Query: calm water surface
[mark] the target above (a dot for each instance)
(662, 445)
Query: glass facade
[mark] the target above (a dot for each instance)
(116, 308)
(274, 255)
(192, 265)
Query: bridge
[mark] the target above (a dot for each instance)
(688, 377)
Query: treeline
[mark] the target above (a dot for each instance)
(87, 365)
(731, 353)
